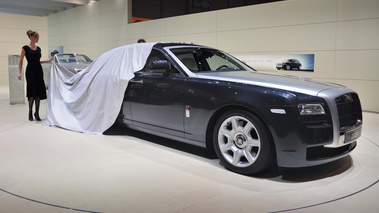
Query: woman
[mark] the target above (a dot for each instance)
(35, 88)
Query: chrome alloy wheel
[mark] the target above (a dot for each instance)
(239, 141)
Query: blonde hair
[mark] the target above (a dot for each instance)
(32, 33)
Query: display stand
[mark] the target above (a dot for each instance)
(16, 87)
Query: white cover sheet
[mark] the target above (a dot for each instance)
(90, 101)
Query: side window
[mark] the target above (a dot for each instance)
(216, 62)
(155, 55)
(189, 61)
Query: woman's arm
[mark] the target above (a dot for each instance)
(46, 61)
(20, 63)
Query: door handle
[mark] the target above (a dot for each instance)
(137, 81)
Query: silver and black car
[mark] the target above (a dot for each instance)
(72, 61)
(289, 64)
(206, 97)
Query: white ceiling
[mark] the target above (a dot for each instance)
(38, 7)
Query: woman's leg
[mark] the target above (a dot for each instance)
(36, 114)
(31, 101)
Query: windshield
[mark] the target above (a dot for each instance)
(72, 58)
(208, 60)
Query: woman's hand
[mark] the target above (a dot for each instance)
(47, 61)
(19, 77)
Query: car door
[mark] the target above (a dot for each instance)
(156, 99)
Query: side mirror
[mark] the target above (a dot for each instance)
(160, 67)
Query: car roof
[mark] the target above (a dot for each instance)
(170, 44)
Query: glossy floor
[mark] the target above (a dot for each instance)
(48, 170)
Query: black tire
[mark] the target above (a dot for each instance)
(243, 143)
(288, 67)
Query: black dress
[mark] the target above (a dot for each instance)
(35, 86)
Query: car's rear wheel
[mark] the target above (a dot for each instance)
(243, 143)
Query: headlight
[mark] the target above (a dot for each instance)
(311, 109)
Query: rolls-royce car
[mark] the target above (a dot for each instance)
(289, 64)
(72, 61)
(251, 119)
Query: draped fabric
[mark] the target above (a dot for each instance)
(90, 101)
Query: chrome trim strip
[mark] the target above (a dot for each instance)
(278, 111)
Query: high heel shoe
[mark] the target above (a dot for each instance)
(37, 117)
(30, 116)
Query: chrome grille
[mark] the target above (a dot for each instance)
(349, 111)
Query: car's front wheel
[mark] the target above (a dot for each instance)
(242, 143)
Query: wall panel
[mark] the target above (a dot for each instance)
(207, 39)
(115, 18)
(68, 15)
(70, 27)
(89, 36)
(353, 9)
(358, 34)
(23, 22)
(293, 38)
(191, 24)
(156, 28)
(284, 13)
(54, 19)
(70, 39)
(92, 50)
(112, 33)
(55, 29)
(55, 40)
(89, 10)
(109, 45)
(89, 23)
(13, 36)
(359, 65)
(112, 5)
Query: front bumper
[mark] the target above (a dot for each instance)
(312, 156)
(323, 142)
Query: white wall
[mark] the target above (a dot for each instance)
(13, 36)
(343, 35)
(92, 29)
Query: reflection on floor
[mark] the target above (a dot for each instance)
(46, 169)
